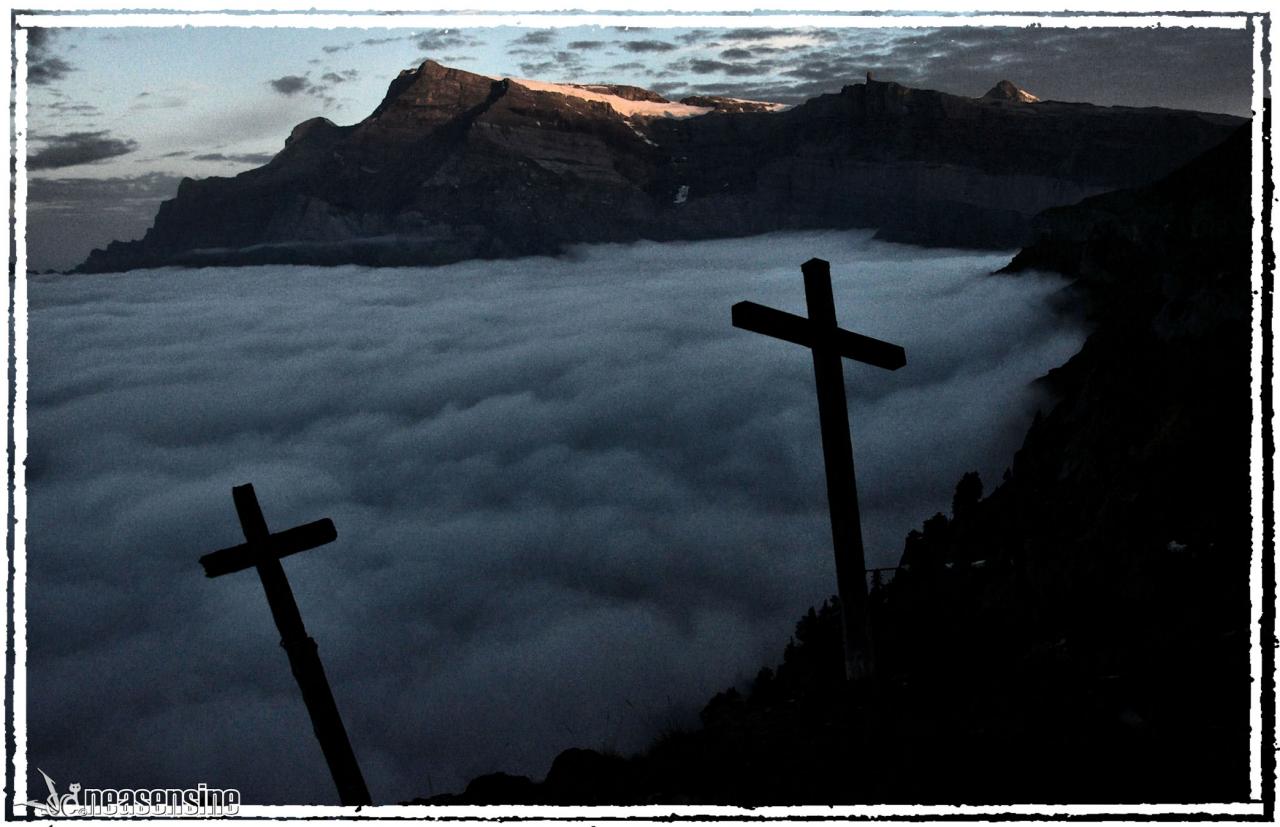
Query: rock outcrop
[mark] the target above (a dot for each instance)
(453, 165)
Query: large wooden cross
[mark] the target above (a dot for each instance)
(829, 344)
(263, 550)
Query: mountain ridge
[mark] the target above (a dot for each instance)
(453, 165)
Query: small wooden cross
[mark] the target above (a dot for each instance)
(829, 343)
(263, 550)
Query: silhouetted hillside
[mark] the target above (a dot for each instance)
(1078, 634)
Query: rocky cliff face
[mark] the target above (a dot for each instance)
(453, 165)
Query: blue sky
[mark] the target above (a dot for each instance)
(138, 108)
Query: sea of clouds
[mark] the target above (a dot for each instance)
(572, 500)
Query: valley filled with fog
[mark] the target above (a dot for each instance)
(572, 500)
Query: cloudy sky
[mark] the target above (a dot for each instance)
(119, 115)
(572, 500)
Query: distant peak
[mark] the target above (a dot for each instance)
(1007, 91)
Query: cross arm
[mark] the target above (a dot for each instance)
(281, 544)
(798, 330)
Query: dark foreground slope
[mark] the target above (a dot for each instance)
(1079, 635)
(453, 166)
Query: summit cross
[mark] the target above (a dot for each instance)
(262, 550)
(830, 344)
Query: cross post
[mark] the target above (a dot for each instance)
(263, 550)
(830, 344)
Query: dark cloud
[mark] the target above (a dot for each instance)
(1207, 69)
(648, 46)
(702, 67)
(60, 194)
(705, 67)
(760, 67)
(77, 148)
(756, 34)
(736, 54)
(824, 35)
(245, 158)
(695, 36)
(572, 501)
(290, 84)
(541, 61)
(533, 69)
(340, 77)
(433, 37)
(437, 40)
(47, 70)
(587, 44)
(834, 70)
(44, 67)
(83, 110)
(540, 37)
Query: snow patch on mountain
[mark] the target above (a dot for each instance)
(625, 108)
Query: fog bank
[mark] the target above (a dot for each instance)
(572, 500)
